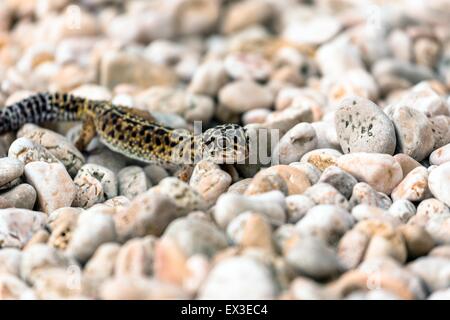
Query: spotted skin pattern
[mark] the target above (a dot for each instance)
(132, 132)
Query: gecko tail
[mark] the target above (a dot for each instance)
(39, 108)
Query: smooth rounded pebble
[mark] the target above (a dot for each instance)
(326, 222)
(380, 171)
(406, 162)
(132, 181)
(294, 144)
(250, 230)
(54, 186)
(414, 132)
(196, 236)
(311, 257)
(324, 193)
(92, 230)
(362, 126)
(439, 183)
(209, 180)
(270, 204)
(245, 95)
(441, 155)
(148, 213)
(402, 209)
(414, 187)
(10, 169)
(21, 196)
(293, 181)
(339, 179)
(297, 206)
(364, 194)
(239, 278)
(40, 257)
(17, 226)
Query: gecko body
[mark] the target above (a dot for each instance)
(129, 131)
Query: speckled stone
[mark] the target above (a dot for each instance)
(362, 126)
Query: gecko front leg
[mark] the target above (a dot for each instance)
(87, 133)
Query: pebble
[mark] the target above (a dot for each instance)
(327, 222)
(439, 183)
(135, 258)
(54, 187)
(294, 144)
(14, 289)
(434, 271)
(440, 155)
(402, 209)
(418, 241)
(250, 230)
(108, 159)
(364, 194)
(155, 173)
(432, 207)
(209, 181)
(17, 226)
(380, 171)
(245, 14)
(39, 258)
(101, 266)
(56, 144)
(10, 261)
(139, 288)
(338, 178)
(230, 205)
(244, 95)
(239, 278)
(27, 150)
(385, 240)
(286, 119)
(93, 229)
(182, 194)
(132, 181)
(292, 180)
(22, 196)
(297, 206)
(209, 78)
(10, 169)
(321, 158)
(311, 257)
(414, 132)
(309, 170)
(62, 223)
(148, 213)
(321, 29)
(247, 66)
(191, 107)
(195, 236)
(362, 126)
(122, 67)
(413, 187)
(440, 130)
(424, 98)
(438, 228)
(265, 181)
(406, 162)
(324, 193)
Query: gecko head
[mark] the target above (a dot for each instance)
(223, 144)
